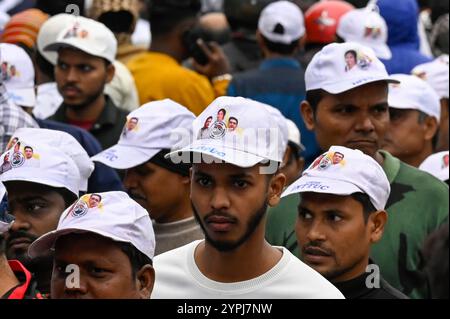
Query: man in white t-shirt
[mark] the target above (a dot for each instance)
(234, 178)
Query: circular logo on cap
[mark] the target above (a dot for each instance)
(80, 209)
(17, 159)
(218, 130)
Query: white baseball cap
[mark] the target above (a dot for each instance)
(282, 22)
(6, 220)
(414, 93)
(49, 31)
(89, 36)
(294, 135)
(66, 143)
(367, 27)
(37, 162)
(328, 70)
(151, 128)
(437, 165)
(17, 73)
(435, 73)
(238, 131)
(113, 215)
(343, 171)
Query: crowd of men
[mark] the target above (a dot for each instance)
(229, 149)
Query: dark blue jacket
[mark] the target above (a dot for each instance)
(103, 178)
(403, 38)
(280, 83)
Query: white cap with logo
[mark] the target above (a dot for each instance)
(66, 143)
(343, 171)
(37, 162)
(367, 27)
(437, 165)
(237, 131)
(49, 31)
(435, 73)
(89, 36)
(340, 67)
(6, 220)
(414, 93)
(112, 215)
(151, 128)
(17, 74)
(282, 22)
(294, 134)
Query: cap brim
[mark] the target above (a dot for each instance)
(321, 185)
(23, 97)
(125, 157)
(215, 154)
(347, 85)
(43, 245)
(56, 46)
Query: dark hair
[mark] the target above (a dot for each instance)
(421, 119)
(96, 195)
(233, 118)
(367, 205)
(223, 111)
(2, 245)
(45, 66)
(295, 152)
(280, 48)
(314, 97)
(352, 52)
(29, 147)
(137, 258)
(165, 15)
(118, 21)
(68, 196)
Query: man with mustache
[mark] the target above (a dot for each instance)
(158, 184)
(37, 195)
(340, 215)
(233, 181)
(16, 281)
(84, 67)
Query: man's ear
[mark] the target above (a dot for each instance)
(307, 113)
(276, 187)
(377, 222)
(430, 127)
(110, 72)
(145, 278)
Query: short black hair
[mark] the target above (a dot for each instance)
(421, 119)
(165, 15)
(137, 258)
(281, 48)
(44, 66)
(2, 245)
(352, 52)
(68, 196)
(233, 118)
(314, 97)
(223, 111)
(29, 147)
(368, 207)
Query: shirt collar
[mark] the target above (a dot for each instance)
(19, 292)
(284, 62)
(391, 166)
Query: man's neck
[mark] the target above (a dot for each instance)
(252, 259)
(166, 48)
(7, 278)
(89, 112)
(179, 212)
(418, 159)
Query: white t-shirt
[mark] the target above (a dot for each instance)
(178, 277)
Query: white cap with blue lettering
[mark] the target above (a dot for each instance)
(343, 171)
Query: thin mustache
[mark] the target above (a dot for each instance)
(317, 246)
(20, 234)
(220, 214)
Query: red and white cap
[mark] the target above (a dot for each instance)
(437, 165)
(414, 93)
(367, 27)
(237, 131)
(151, 128)
(343, 171)
(17, 74)
(436, 74)
(282, 22)
(89, 36)
(340, 67)
(112, 215)
(37, 162)
(66, 143)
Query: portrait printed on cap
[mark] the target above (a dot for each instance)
(132, 125)
(75, 32)
(356, 60)
(8, 71)
(326, 160)
(82, 206)
(372, 32)
(220, 127)
(18, 156)
(445, 160)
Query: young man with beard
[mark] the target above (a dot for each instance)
(38, 192)
(340, 216)
(159, 185)
(351, 109)
(111, 243)
(16, 282)
(86, 52)
(231, 188)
